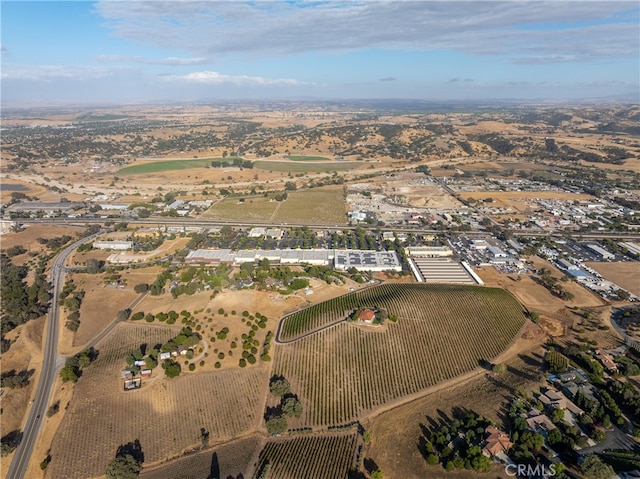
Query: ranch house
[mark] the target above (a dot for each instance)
(367, 316)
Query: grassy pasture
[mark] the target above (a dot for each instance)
(294, 167)
(312, 206)
(254, 208)
(308, 158)
(165, 415)
(345, 371)
(168, 165)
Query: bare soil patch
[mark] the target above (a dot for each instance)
(521, 201)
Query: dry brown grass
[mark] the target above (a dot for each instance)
(165, 415)
(27, 238)
(395, 433)
(99, 306)
(24, 354)
(535, 296)
(624, 274)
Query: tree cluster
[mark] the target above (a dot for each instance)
(71, 298)
(457, 444)
(20, 302)
(74, 365)
(16, 380)
(290, 406)
(128, 462)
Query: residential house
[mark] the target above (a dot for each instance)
(539, 422)
(164, 356)
(367, 316)
(606, 360)
(497, 441)
(556, 400)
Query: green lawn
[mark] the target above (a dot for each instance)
(308, 158)
(169, 165)
(287, 166)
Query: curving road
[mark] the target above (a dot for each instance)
(50, 365)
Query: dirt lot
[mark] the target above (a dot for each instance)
(624, 274)
(522, 201)
(535, 296)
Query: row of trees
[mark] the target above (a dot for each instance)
(71, 298)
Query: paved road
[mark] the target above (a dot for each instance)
(50, 365)
(204, 223)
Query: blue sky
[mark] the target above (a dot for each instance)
(121, 51)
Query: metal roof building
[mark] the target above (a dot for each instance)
(367, 260)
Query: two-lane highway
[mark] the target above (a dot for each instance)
(50, 366)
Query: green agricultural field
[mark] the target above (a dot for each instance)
(293, 167)
(168, 165)
(308, 158)
(343, 371)
(254, 208)
(313, 206)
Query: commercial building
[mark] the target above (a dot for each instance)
(114, 245)
(633, 248)
(429, 251)
(367, 260)
(601, 252)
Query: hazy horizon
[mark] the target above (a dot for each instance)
(109, 53)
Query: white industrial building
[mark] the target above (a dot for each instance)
(118, 245)
(256, 232)
(367, 260)
(633, 248)
(429, 251)
(600, 252)
(497, 252)
(114, 206)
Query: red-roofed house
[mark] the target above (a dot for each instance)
(497, 441)
(367, 316)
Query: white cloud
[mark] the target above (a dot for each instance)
(538, 30)
(215, 78)
(176, 61)
(51, 72)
